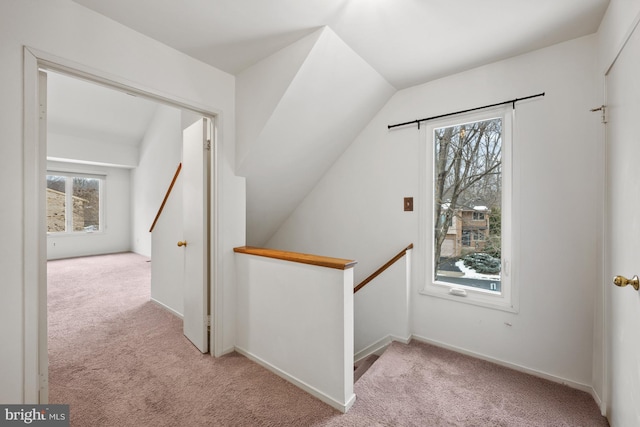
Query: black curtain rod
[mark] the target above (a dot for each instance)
(512, 102)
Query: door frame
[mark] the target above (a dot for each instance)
(35, 335)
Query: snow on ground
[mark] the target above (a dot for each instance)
(470, 273)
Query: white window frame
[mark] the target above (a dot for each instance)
(507, 299)
(69, 202)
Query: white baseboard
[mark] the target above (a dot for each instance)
(342, 407)
(166, 307)
(227, 351)
(601, 405)
(378, 347)
(515, 367)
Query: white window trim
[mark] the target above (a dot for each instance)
(68, 193)
(508, 299)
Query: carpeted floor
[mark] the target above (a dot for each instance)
(120, 360)
(420, 384)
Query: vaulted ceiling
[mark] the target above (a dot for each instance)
(310, 74)
(407, 41)
(88, 111)
(297, 111)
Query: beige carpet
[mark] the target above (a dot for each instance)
(120, 360)
(420, 384)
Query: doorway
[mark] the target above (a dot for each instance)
(36, 364)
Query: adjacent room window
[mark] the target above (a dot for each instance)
(470, 185)
(74, 203)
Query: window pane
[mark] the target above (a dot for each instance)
(86, 204)
(467, 204)
(56, 204)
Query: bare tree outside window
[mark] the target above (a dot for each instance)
(86, 193)
(467, 194)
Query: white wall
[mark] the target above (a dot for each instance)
(73, 148)
(297, 320)
(160, 155)
(381, 309)
(300, 128)
(63, 29)
(356, 211)
(115, 236)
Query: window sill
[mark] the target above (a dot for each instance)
(75, 234)
(472, 298)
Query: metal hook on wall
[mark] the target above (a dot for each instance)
(602, 108)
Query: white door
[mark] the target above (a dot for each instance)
(623, 235)
(195, 214)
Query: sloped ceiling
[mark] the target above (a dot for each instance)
(85, 110)
(297, 112)
(311, 74)
(93, 124)
(407, 41)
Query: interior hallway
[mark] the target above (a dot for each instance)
(119, 359)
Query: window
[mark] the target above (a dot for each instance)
(74, 203)
(467, 223)
(466, 238)
(478, 216)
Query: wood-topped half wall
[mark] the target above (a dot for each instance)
(322, 261)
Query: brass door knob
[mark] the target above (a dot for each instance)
(182, 243)
(623, 281)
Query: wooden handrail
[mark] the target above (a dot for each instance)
(322, 261)
(383, 268)
(166, 196)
